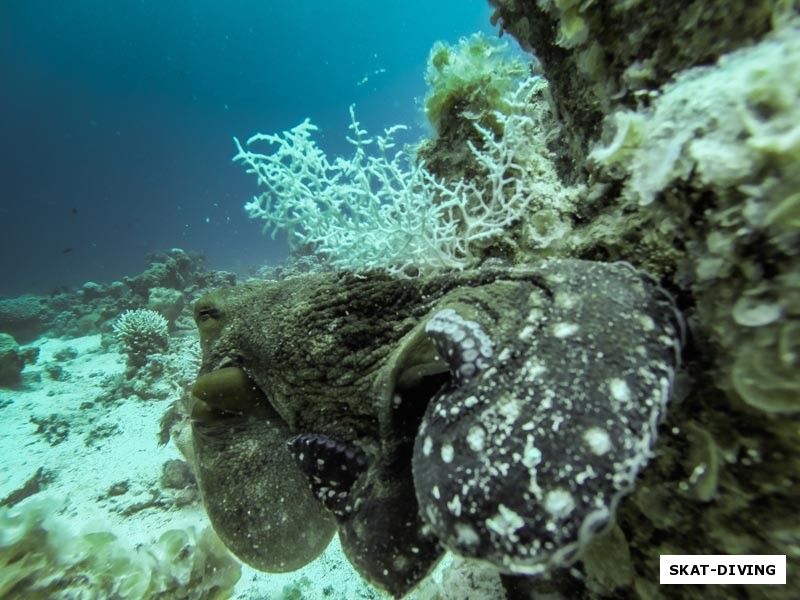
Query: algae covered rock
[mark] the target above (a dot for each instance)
(13, 359)
(476, 76)
(43, 557)
(25, 317)
(739, 145)
(601, 55)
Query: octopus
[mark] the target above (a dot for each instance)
(500, 414)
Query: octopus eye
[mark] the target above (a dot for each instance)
(208, 312)
(209, 315)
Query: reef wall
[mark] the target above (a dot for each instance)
(681, 120)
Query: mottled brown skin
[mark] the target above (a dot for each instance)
(318, 346)
(326, 351)
(346, 357)
(253, 494)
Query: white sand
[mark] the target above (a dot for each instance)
(85, 472)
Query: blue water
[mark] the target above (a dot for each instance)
(117, 118)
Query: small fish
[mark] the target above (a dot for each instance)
(67, 250)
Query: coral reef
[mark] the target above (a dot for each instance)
(25, 317)
(13, 359)
(75, 413)
(169, 283)
(598, 56)
(662, 134)
(171, 280)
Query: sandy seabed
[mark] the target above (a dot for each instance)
(103, 461)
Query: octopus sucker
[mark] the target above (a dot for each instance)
(331, 466)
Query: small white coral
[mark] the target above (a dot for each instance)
(142, 332)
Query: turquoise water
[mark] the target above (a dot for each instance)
(117, 119)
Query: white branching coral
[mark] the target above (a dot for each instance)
(142, 331)
(380, 209)
(366, 212)
(519, 181)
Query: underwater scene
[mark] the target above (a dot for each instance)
(453, 300)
